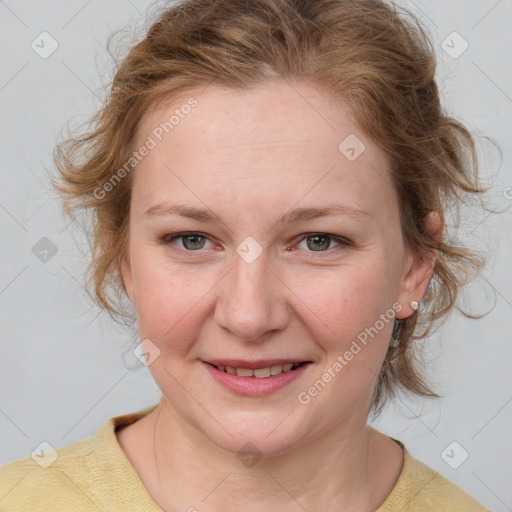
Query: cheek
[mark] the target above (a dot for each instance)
(345, 303)
(351, 318)
(336, 305)
(169, 302)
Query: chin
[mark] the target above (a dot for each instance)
(268, 436)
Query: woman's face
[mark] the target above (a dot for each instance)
(265, 280)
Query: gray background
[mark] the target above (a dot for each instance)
(66, 369)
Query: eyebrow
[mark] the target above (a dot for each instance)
(299, 214)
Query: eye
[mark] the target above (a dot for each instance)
(192, 240)
(321, 242)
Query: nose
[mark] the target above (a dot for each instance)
(253, 301)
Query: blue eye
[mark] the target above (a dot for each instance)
(321, 242)
(193, 241)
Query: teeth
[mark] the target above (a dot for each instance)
(259, 373)
(244, 372)
(277, 369)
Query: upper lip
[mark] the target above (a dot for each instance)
(253, 365)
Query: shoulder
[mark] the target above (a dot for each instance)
(90, 475)
(50, 478)
(421, 488)
(433, 491)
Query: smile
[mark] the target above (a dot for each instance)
(263, 379)
(259, 373)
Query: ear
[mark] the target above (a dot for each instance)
(419, 269)
(127, 278)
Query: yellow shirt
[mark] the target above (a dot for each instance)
(94, 475)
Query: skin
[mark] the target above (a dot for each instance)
(249, 157)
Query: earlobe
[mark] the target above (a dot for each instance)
(420, 271)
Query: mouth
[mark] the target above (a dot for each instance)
(256, 378)
(256, 369)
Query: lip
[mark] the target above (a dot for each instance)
(252, 386)
(253, 365)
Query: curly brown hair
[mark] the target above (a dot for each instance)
(371, 54)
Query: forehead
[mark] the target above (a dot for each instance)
(228, 142)
(272, 112)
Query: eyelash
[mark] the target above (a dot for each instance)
(170, 238)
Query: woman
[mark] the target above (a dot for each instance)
(268, 181)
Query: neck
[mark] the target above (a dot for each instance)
(194, 474)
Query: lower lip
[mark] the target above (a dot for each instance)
(252, 386)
